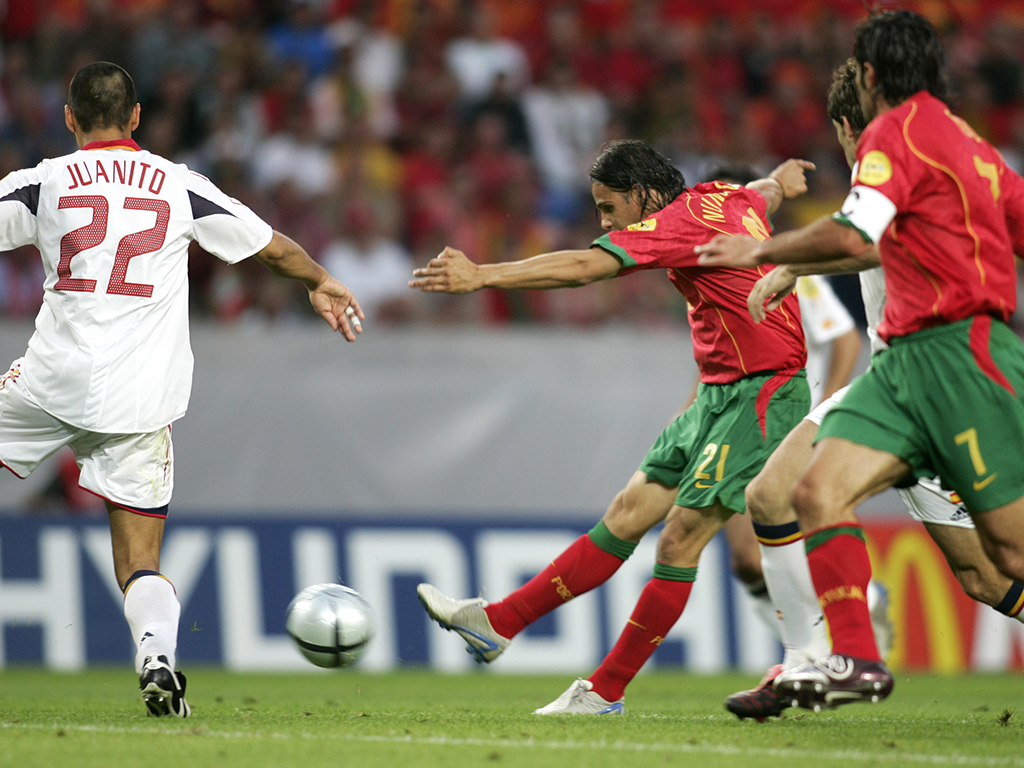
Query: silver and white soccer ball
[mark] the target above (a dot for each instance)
(330, 624)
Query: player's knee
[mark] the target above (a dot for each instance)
(766, 501)
(621, 520)
(810, 501)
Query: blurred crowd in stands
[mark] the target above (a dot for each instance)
(375, 132)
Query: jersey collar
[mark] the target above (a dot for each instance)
(115, 144)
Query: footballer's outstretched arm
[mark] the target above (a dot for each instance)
(452, 272)
(823, 240)
(332, 300)
(768, 292)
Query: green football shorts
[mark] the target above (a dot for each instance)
(720, 443)
(948, 401)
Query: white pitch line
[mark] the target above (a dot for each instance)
(704, 748)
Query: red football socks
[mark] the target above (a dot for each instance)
(841, 570)
(578, 569)
(656, 612)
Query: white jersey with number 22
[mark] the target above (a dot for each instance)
(113, 223)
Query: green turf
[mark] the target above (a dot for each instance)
(425, 719)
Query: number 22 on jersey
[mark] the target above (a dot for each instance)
(94, 233)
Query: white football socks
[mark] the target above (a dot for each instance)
(152, 609)
(804, 633)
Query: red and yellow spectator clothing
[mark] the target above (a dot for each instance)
(727, 344)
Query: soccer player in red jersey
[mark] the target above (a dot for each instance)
(753, 391)
(946, 214)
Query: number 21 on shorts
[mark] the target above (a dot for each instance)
(710, 451)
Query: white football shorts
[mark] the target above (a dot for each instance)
(926, 502)
(929, 503)
(134, 471)
(818, 414)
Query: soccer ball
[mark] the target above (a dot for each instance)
(330, 624)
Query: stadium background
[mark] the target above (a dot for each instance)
(462, 440)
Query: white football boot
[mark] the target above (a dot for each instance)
(580, 699)
(468, 618)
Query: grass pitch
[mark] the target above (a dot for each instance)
(424, 719)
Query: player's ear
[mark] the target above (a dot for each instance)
(69, 118)
(851, 137)
(870, 76)
(133, 122)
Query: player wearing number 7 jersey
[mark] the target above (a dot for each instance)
(109, 366)
(947, 398)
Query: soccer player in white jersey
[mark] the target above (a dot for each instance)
(833, 341)
(784, 560)
(109, 366)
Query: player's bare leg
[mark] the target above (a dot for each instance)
(687, 532)
(840, 476)
(151, 608)
(977, 574)
(136, 540)
(1002, 535)
(744, 555)
(638, 507)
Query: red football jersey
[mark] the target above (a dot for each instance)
(727, 343)
(954, 222)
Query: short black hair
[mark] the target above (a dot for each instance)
(628, 163)
(101, 95)
(843, 100)
(905, 51)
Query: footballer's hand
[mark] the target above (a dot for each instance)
(769, 292)
(334, 302)
(728, 251)
(792, 177)
(448, 272)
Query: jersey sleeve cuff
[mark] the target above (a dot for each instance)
(605, 243)
(266, 236)
(841, 219)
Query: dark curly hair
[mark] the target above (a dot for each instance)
(630, 163)
(905, 51)
(842, 97)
